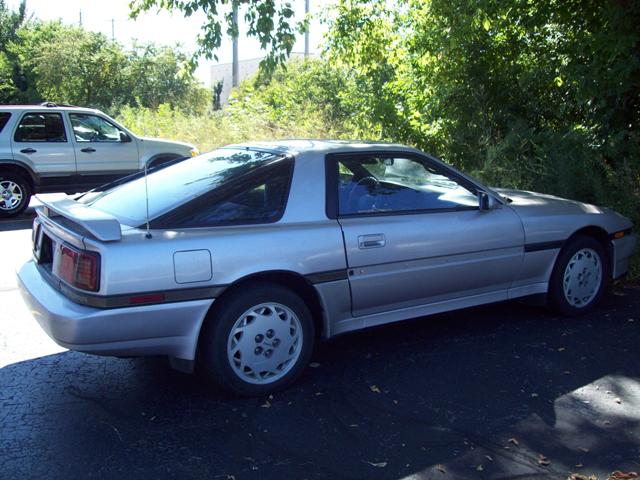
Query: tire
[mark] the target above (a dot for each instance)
(272, 344)
(15, 194)
(579, 277)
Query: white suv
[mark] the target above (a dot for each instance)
(61, 148)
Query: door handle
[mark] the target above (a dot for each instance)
(28, 150)
(88, 150)
(375, 240)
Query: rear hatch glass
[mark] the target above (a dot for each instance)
(177, 184)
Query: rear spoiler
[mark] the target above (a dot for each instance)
(79, 217)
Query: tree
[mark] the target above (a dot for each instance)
(70, 65)
(10, 22)
(270, 21)
(56, 62)
(542, 95)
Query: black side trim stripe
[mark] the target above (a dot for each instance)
(624, 232)
(121, 301)
(536, 247)
(328, 276)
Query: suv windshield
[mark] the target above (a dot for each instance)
(178, 184)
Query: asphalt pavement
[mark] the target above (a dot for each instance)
(504, 391)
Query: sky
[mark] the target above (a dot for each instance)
(161, 27)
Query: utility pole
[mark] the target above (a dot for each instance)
(80, 22)
(234, 68)
(113, 30)
(306, 34)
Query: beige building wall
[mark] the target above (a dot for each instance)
(246, 69)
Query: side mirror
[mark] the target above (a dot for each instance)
(485, 201)
(124, 138)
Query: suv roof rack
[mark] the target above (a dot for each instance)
(54, 105)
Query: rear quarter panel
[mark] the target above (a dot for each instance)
(304, 241)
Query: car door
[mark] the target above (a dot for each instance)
(103, 151)
(40, 140)
(414, 233)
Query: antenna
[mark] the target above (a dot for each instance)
(146, 198)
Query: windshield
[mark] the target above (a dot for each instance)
(174, 185)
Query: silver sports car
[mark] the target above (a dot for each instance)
(238, 259)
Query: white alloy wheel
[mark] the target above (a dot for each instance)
(582, 277)
(265, 343)
(10, 195)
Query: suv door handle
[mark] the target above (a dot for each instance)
(375, 240)
(88, 150)
(28, 150)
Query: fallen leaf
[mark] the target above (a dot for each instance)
(618, 475)
(630, 320)
(618, 400)
(579, 465)
(318, 394)
(479, 468)
(378, 465)
(314, 364)
(266, 404)
(567, 372)
(561, 349)
(440, 468)
(579, 476)
(488, 457)
(542, 460)
(534, 395)
(514, 441)
(354, 425)
(395, 402)
(375, 389)
(585, 450)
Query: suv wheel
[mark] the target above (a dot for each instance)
(15, 193)
(257, 341)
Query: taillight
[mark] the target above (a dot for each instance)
(79, 268)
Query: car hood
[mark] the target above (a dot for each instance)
(162, 142)
(547, 217)
(524, 201)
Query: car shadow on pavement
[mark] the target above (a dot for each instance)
(20, 222)
(498, 392)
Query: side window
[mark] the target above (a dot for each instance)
(257, 200)
(41, 127)
(380, 184)
(92, 128)
(4, 118)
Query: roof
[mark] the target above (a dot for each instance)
(43, 107)
(294, 146)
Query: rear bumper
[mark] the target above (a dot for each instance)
(164, 329)
(622, 249)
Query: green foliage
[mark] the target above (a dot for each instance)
(294, 105)
(66, 64)
(538, 95)
(270, 21)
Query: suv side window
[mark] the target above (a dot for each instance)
(92, 128)
(388, 184)
(4, 118)
(41, 127)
